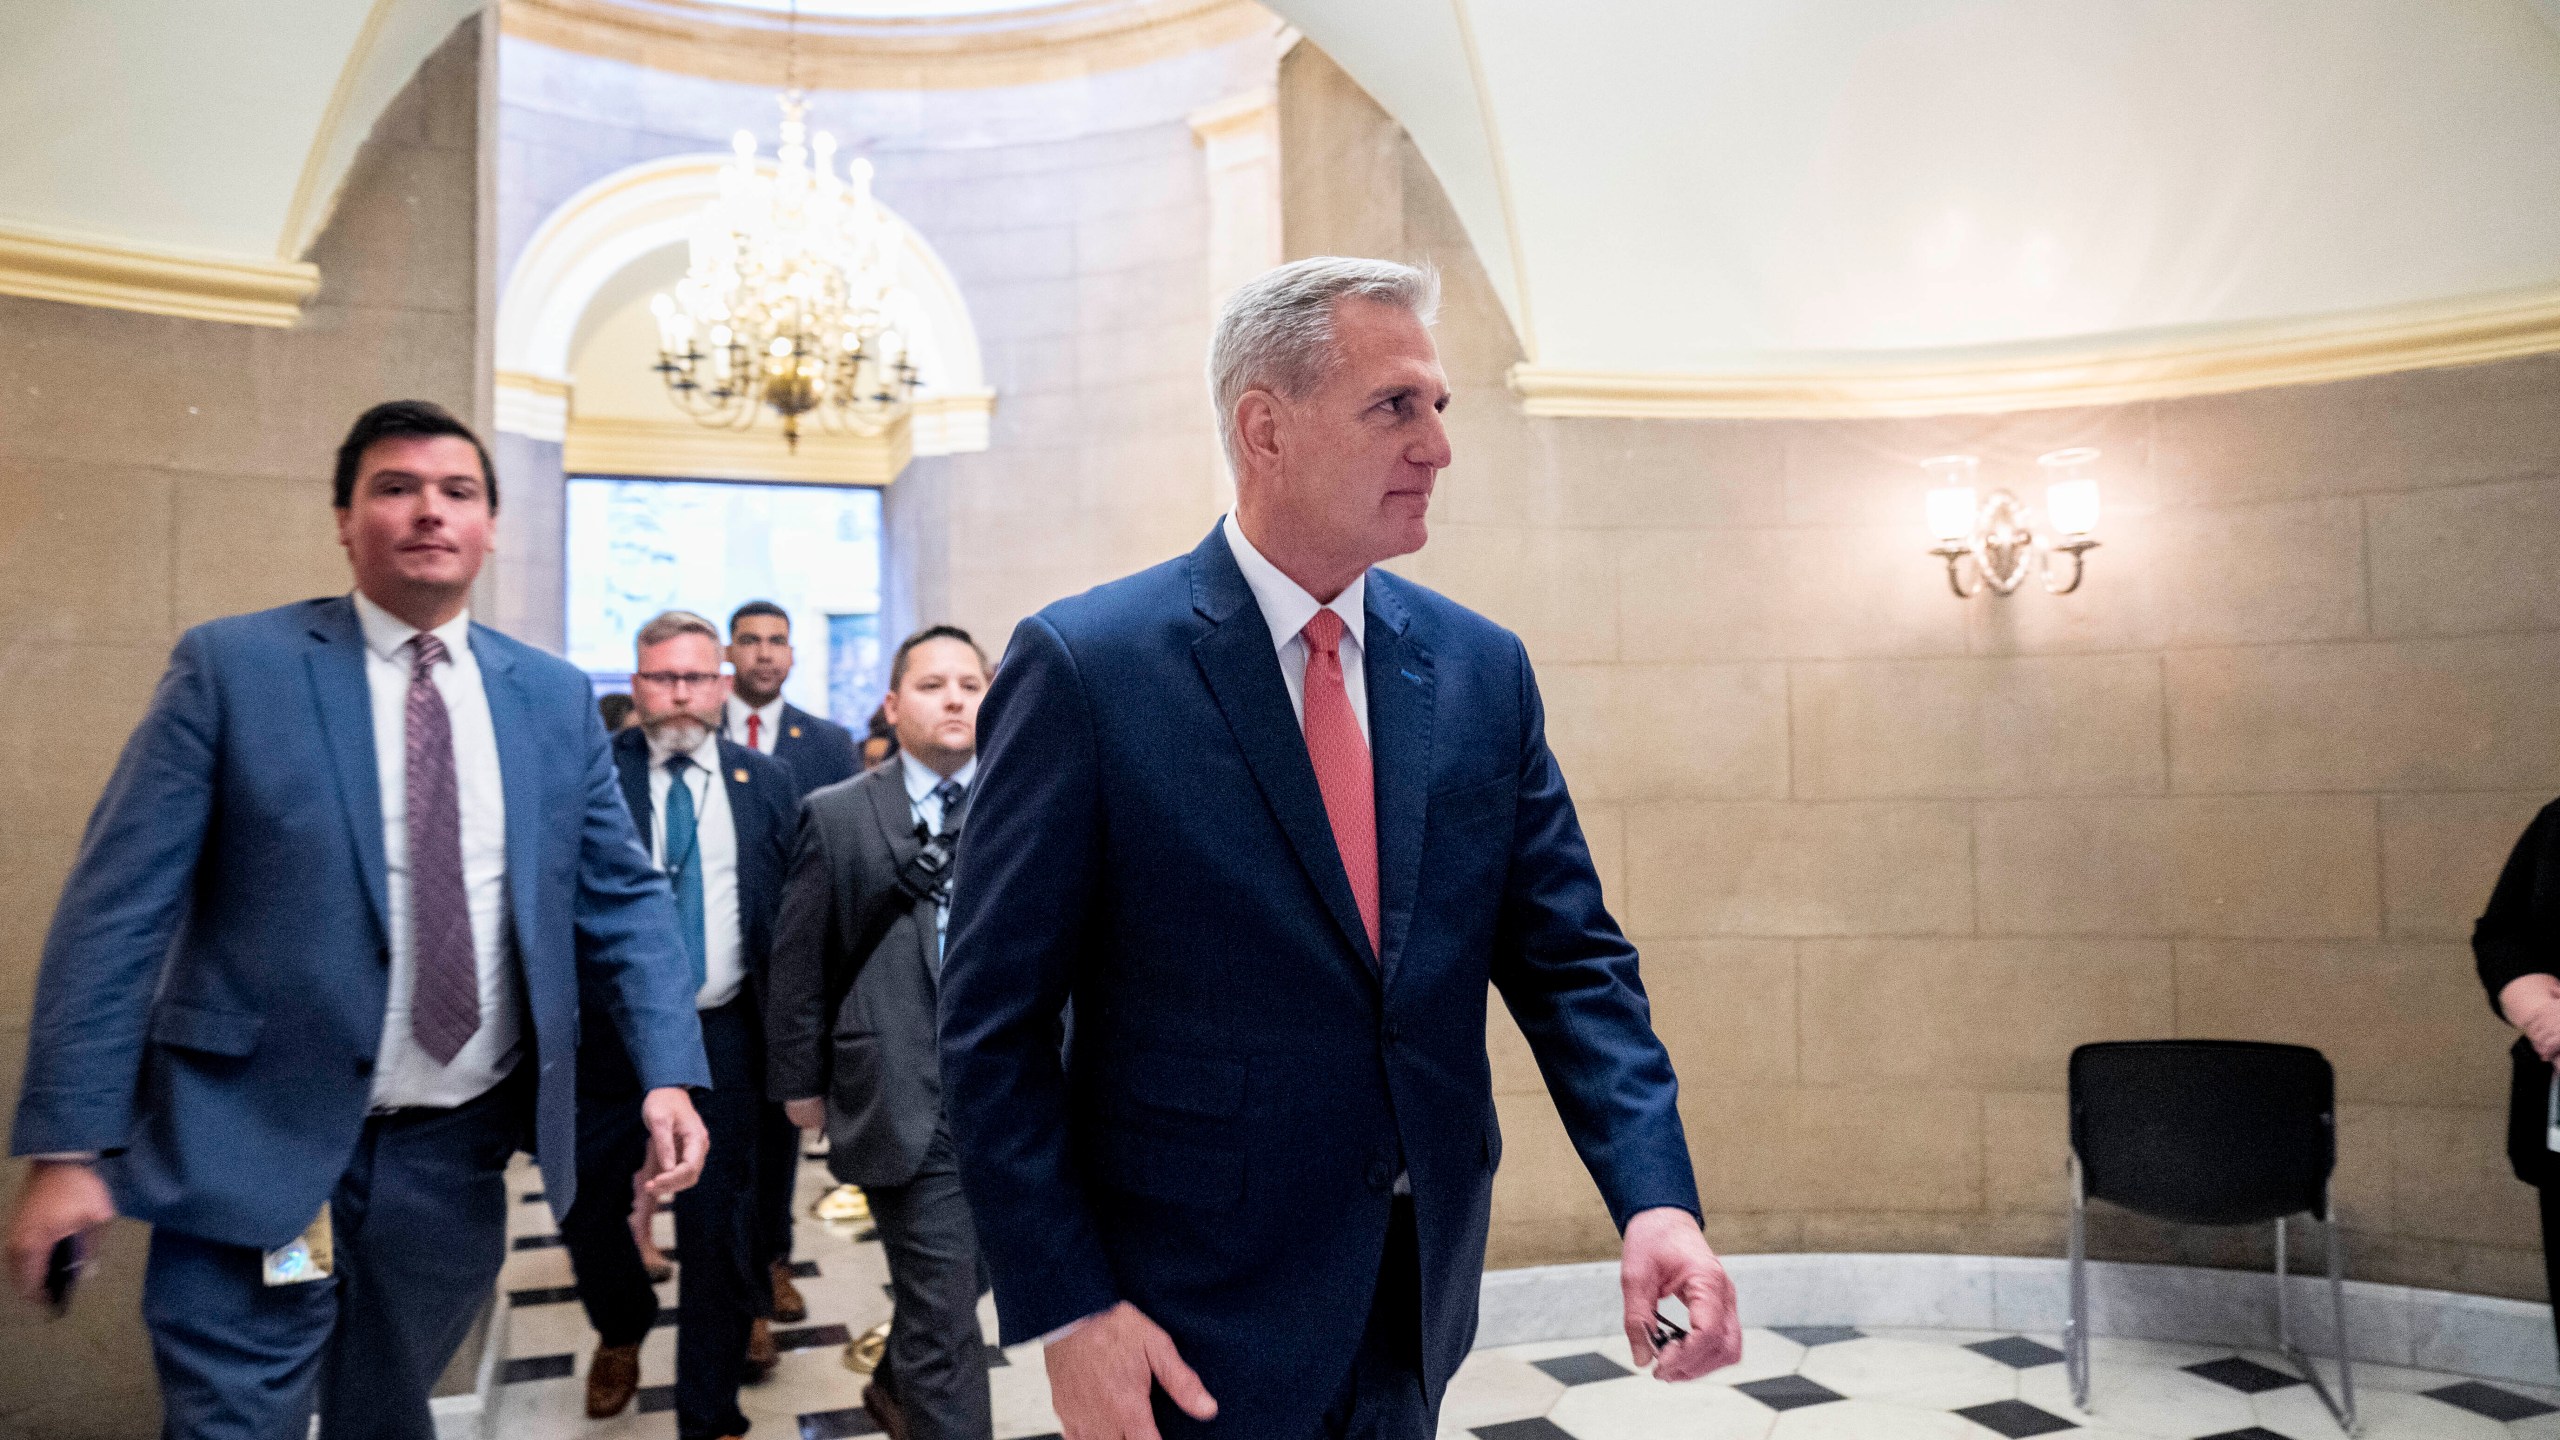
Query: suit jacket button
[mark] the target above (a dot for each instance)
(1379, 1178)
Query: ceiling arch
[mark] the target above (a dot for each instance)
(151, 146)
(1798, 192)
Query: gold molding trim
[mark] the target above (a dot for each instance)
(119, 275)
(305, 217)
(1059, 41)
(683, 450)
(2150, 365)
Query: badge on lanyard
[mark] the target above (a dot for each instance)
(311, 1256)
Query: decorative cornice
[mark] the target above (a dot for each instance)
(683, 450)
(1057, 41)
(119, 275)
(2149, 365)
(534, 406)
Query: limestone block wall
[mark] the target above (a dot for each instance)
(158, 472)
(1890, 855)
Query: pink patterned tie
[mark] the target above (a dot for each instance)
(1342, 766)
(444, 1000)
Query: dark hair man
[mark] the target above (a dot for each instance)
(851, 1022)
(1273, 819)
(716, 818)
(311, 980)
(819, 752)
(880, 739)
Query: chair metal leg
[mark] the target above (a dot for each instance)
(2341, 1406)
(2075, 1327)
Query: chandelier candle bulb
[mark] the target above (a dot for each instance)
(1951, 511)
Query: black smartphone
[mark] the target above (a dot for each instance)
(61, 1271)
(1666, 1330)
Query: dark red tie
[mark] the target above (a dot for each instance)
(755, 731)
(444, 999)
(1341, 759)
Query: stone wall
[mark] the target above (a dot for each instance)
(1891, 855)
(155, 473)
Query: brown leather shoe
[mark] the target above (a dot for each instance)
(762, 1353)
(612, 1379)
(788, 1306)
(884, 1411)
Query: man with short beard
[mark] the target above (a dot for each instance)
(717, 819)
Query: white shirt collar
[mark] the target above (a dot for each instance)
(922, 781)
(1286, 605)
(385, 633)
(771, 710)
(706, 754)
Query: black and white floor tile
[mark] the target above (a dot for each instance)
(1794, 1383)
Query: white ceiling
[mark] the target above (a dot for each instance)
(218, 127)
(1681, 187)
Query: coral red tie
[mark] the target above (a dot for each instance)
(755, 731)
(1342, 766)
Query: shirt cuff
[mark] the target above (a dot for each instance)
(71, 1157)
(1071, 1327)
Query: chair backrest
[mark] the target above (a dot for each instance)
(2205, 1132)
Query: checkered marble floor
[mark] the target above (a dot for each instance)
(810, 1395)
(1838, 1383)
(1794, 1383)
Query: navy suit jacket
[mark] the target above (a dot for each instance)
(764, 810)
(817, 752)
(214, 983)
(1246, 1079)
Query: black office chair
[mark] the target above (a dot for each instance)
(2207, 1132)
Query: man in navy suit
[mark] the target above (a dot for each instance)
(315, 975)
(1259, 1177)
(717, 819)
(818, 753)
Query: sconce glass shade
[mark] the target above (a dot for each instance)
(2071, 490)
(2072, 506)
(1951, 506)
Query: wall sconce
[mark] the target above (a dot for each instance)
(1998, 532)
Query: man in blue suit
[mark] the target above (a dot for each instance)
(1260, 1175)
(717, 818)
(314, 977)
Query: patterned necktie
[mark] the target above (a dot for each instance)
(953, 797)
(684, 867)
(1341, 759)
(444, 999)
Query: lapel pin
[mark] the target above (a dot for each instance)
(795, 732)
(741, 774)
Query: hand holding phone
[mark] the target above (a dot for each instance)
(62, 1271)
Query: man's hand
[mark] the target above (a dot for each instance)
(677, 1142)
(1666, 1257)
(2531, 1003)
(1102, 1378)
(807, 1114)
(62, 1198)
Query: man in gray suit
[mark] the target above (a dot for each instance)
(850, 1026)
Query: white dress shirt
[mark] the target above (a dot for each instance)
(405, 1074)
(927, 808)
(768, 734)
(1287, 607)
(724, 966)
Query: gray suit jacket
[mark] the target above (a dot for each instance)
(875, 1060)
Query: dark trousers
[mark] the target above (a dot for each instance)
(777, 1176)
(721, 1287)
(421, 1228)
(1381, 1399)
(936, 1365)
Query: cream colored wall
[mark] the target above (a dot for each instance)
(1889, 855)
(155, 473)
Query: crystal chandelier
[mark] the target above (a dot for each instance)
(789, 302)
